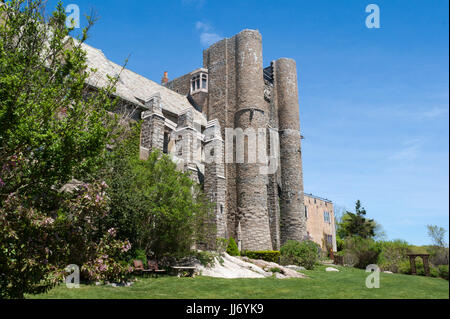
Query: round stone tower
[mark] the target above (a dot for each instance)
(293, 220)
(250, 115)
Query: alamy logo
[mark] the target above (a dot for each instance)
(73, 279)
(73, 16)
(249, 146)
(373, 19)
(256, 142)
(373, 280)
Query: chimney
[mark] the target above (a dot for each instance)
(165, 79)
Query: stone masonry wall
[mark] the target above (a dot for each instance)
(251, 112)
(293, 223)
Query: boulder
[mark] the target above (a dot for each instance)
(266, 265)
(331, 269)
(294, 267)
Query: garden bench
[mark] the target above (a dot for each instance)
(184, 271)
(139, 267)
(153, 266)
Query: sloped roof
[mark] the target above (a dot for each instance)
(134, 87)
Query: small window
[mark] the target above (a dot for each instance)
(199, 82)
(221, 209)
(166, 143)
(204, 81)
(306, 212)
(327, 217)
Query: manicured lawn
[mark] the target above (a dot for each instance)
(349, 283)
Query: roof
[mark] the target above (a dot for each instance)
(317, 197)
(133, 87)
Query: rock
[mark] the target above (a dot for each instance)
(331, 269)
(267, 266)
(294, 267)
(233, 267)
(243, 267)
(388, 272)
(280, 276)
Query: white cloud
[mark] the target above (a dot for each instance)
(410, 151)
(207, 34)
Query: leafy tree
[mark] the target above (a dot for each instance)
(160, 209)
(437, 234)
(439, 251)
(356, 224)
(53, 128)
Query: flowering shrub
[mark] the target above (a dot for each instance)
(27, 250)
(89, 245)
(108, 265)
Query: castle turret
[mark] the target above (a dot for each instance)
(293, 223)
(251, 114)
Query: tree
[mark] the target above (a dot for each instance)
(439, 252)
(53, 128)
(355, 224)
(437, 234)
(160, 209)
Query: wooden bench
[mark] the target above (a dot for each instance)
(139, 267)
(184, 271)
(153, 266)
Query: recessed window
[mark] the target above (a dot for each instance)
(306, 212)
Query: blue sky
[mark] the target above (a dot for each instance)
(374, 103)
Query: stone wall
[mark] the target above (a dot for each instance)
(181, 85)
(236, 99)
(152, 130)
(293, 224)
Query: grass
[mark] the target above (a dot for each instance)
(349, 283)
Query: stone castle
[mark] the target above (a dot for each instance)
(187, 118)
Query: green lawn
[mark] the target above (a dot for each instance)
(348, 283)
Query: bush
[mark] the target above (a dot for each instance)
(443, 271)
(275, 270)
(221, 245)
(206, 258)
(438, 255)
(392, 253)
(361, 252)
(232, 248)
(109, 264)
(140, 255)
(266, 255)
(304, 253)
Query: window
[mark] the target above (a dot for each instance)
(204, 81)
(329, 239)
(306, 212)
(199, 82)
(221, 209)
(327, 217)
(166, 143)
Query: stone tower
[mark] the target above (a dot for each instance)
(293, 220)
(260, 211)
